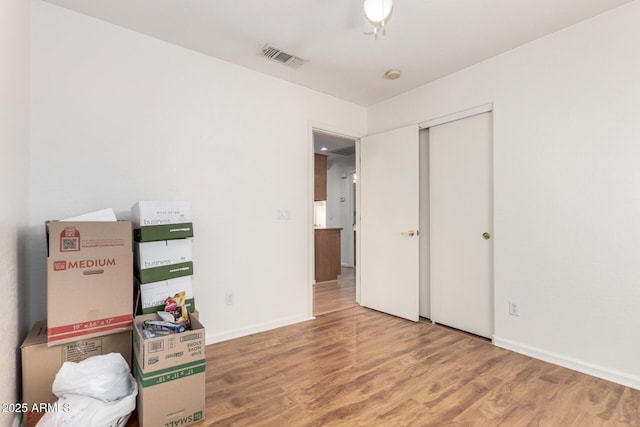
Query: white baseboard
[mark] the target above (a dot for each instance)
(570, 363)
(253, 329)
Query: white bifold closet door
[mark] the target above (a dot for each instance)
(461, 219)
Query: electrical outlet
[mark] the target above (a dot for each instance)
(228, 298)
(514, 308)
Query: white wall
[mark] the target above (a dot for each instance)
(14, 176)
(339, 213)
(119, 117)
(567, 188)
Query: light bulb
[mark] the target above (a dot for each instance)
(378, 11)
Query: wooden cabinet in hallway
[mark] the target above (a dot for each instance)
(327, 254)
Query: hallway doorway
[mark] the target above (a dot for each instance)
(334, 210)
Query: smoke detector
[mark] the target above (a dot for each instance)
(393, 74)
(282, 57)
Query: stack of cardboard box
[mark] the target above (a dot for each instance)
(169, 369)
(162, 253)
(89, 305)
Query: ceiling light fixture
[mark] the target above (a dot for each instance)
(378, 13)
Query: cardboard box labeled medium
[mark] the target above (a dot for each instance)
(41, 363)
(89, 279)
(170, 371)
(161, 220)
(163, 259)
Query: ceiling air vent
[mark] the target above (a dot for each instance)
(284, 58)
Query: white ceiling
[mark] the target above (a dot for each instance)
(426, 39)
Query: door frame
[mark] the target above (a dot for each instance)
(462, 114)
(344, 133)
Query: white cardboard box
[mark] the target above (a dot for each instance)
(149, 213)
(153, 295)
(161, 253)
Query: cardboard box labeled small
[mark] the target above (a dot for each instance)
(41, 363)
(156, 354)
(153, 295)
(175, 399)
(170, 371)
(89, 279)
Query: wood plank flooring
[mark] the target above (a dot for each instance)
(335, 295)
(359, 367)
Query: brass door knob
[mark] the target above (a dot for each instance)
(486, 236)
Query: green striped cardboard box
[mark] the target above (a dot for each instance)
(165, 272)
(152, 233)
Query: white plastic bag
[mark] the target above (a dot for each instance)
(98, 392)
(75, 410)
(104, 377)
